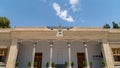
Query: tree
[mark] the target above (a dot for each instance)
(4, 22)
(106, 26)
(115, 25)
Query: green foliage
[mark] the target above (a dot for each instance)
(47, 64)
(72, 63)
(106, 26)
(66, 64)
(115, 25)
(84, 63)
(53, 64)
(29, 64)
(103, 63)
(16, 64)
(91, 63)
(35, 63)
(4, 22)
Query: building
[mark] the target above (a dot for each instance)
(59, 45)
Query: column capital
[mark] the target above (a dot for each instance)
(85, 45)
(84, 42)
(51, 42)
(68, 43)
(35, 42)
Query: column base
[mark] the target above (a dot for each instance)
(88, 66)
(32, 67)
(49, 67)
(69, 67)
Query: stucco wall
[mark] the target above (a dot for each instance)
(93, 49)
(43, 47)
(24, 54)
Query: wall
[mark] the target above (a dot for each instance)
(60, 52)
(24, 54)
(93, 49)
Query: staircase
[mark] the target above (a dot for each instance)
(60, 66)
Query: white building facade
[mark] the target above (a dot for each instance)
(59, 45)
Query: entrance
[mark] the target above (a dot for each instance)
(38, 59)
(80, 58)
(60, 57)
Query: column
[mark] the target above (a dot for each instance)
(69, 55)
(86, 55)
(51, 54)
(106, 50)
(33, 54)
(12, 56)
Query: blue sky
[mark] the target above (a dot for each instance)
(83, 13)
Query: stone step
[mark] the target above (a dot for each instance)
(60, 66)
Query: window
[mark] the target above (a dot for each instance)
(116, 54)
(3, 53)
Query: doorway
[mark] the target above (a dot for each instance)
(38, 59)
(80, 58)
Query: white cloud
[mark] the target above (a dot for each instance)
(56, 8)
(73, 4)
(63, 14)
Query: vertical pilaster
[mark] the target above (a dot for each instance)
(69, 54)
(86, 54)
(12, 56)
(107, 54)
(51, 54)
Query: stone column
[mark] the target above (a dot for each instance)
(106, 50)
(12, 56)
(86, 54)
(33, 55)
(51, 54)
(69, 55)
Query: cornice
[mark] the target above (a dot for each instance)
(2, 40)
